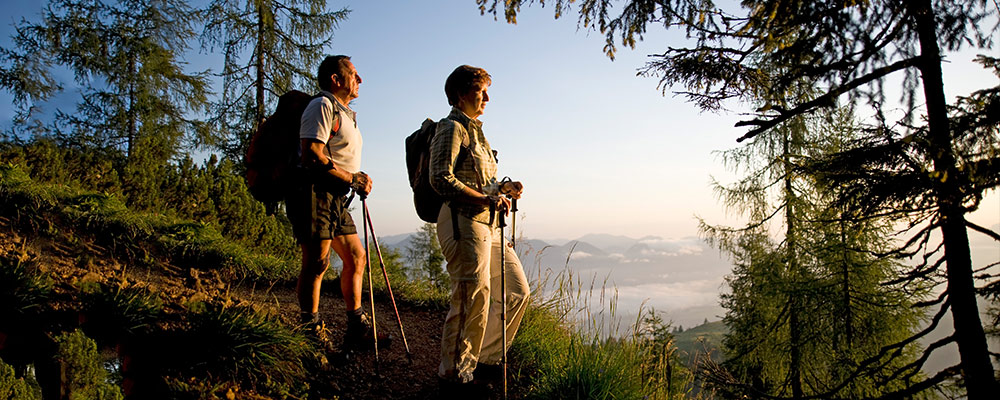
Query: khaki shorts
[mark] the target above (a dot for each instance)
(318, 215)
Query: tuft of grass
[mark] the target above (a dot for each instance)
(115, 312)
(23, 291)
(242, 345)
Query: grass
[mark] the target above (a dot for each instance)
(140, 237)
(23, 291)
(566, 350)
(116, 311)
(246, 346)
(220, 349)
(563, 349)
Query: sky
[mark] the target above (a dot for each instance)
(599, 149)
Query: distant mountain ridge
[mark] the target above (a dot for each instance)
(681, 277)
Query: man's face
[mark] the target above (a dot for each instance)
(474, 102)
(350, 83)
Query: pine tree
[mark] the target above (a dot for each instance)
(808, 313)
(929, 174)
(424, 253)
(135, 97)
(269, 47)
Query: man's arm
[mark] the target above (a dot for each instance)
(314, 158)
(317, 122)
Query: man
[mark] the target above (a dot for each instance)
(331, 161)
(463, 169)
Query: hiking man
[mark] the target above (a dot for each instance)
(330, 168)
(470, 238)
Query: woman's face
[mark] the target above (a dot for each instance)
(473, 103)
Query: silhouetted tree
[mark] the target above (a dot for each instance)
(929, 168)
(268, 46)
(806, 311)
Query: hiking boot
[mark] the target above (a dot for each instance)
(360, 335)
(318, 333)
(488, 374)
(449, 389)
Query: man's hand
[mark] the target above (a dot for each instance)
(512, 189)
(361, 183)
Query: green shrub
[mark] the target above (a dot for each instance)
(86, 378)
(213, 193)
(13, 387)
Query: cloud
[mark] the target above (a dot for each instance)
(576, 255)
(670, 296)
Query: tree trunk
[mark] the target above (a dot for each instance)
(133, 130)
(794, 325)
(972, 346)
(259, 77)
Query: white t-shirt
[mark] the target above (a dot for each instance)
(344, 148)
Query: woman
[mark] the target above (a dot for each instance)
(463, 170)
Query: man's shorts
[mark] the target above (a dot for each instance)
(318, 215)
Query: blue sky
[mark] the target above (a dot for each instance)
(599, 149)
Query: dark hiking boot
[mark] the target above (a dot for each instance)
(360, 335)
(452, 390)
(318, 333)
(488, 374)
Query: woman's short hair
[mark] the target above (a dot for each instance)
(462, 80)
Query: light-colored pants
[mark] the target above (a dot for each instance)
(472, 328)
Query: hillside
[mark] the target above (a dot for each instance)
(177, 324)
(705, 338)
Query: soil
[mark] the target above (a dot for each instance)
(395, 375)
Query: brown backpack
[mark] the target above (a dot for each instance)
(426, 200)
(273, 155)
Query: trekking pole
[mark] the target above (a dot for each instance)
(371, 291)
(385, 274)
(513, 224)
(503, 301)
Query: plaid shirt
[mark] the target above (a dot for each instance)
(477, 170)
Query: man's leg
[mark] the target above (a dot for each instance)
(315, 261)
(353, 256)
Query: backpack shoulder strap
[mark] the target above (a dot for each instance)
(336, 110)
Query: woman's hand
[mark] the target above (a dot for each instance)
(512, 189)
(502, 203)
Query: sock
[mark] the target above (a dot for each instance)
(309, 317)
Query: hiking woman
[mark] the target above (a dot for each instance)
(463, 169)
